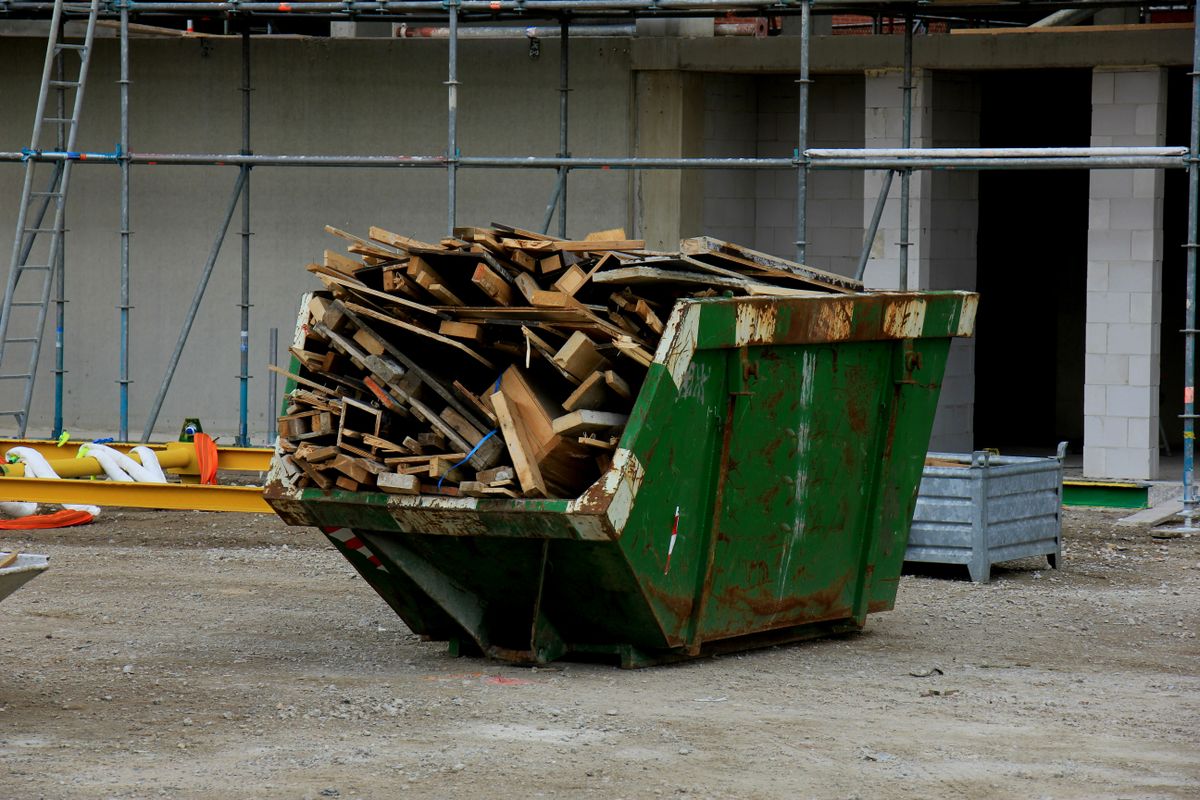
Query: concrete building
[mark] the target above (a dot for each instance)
(1077, 339)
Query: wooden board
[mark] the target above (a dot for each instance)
(584, 421)
(707, 245)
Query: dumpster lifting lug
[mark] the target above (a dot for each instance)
(749, 369)
(909, 362)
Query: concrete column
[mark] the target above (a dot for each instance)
(950, 254)
(943, 220)
(669, 204)
(1124, 281)
(884, 111)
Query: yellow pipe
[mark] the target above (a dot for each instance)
(181, 496)
(236, 459)
(178, 457)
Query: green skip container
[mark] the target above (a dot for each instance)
(762, 493)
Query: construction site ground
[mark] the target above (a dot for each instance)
(204, 655)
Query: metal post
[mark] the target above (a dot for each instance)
(60, 263)
(243, 437)
(1189, 340)
(123, 309)
(564, 88)
(906, 142)
(452, 121)
(194, 307)
(272, 385)
(802, 135)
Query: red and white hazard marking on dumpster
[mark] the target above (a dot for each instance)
(352, 542)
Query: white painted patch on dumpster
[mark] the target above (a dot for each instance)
(754, 323)
(804, 393)
(966, 317)
(623, 482)
(678, 342)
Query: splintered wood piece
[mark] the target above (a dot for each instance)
(627, 347)
(527, 285)
(314, 362)
(401, 242)
(536, 246)
(413, 445)
(335, 260)
(395, 279)
(461, 330)
(488, 451)
(315, 475)
(641, 275)
(492, 284)
(578, 422)
(571, 281)
(314, 454)
(643, 310)
(590, 394)
(471, 489)
(395, 483)
(383, 444)
(617, 384)
(433, 439)
(520, 450)
(361, 470)
(579, 357)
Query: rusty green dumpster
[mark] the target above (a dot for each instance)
(762, 492)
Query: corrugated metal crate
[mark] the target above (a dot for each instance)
(990, 509)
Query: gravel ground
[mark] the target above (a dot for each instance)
(194, 655)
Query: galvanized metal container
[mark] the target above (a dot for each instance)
(783, 439)
(990, 509)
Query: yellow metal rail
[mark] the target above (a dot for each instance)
(183, 496)
(235, 459)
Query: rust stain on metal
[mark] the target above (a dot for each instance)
(904, 319)
(755, 323)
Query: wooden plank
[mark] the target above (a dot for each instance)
(605, 235)
(516, 440)
(541, 246)
(524, 234)
(617, 384)
(627, 347)
(315, 475)
(461, 330)
(428, 279)
(367, 291)
(480, 404)
(362, 243)
(341, 263)
(394, 483)
(649, 275)
(496, 475)
(487, 450)
(492, 284)
(707, 245)
(548, 299)
(398, 241)
(643, 310)
(587, 421)
(522, 260)
(579, 356)
(546, 351)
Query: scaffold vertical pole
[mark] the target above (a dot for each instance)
(124, 308)
(802, 134)
(452, 120)
(1189, 328)
(243, 437)
(564, 89)
(906, 142)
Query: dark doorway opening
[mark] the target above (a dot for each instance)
(1174, 269)
(1032, 265)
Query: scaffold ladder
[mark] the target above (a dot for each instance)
(37, 247)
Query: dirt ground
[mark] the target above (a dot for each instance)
(197, 655)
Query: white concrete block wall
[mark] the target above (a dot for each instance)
(884, 119)
(834, 198)
(1124, 281)
(730, 130)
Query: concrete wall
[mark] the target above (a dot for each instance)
(757, 115)
(315, 96)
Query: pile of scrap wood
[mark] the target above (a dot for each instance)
(498, 362)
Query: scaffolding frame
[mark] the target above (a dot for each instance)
(892, 161)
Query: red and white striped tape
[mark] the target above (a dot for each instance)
(348, 538)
